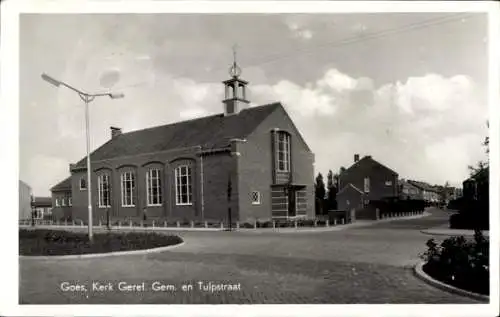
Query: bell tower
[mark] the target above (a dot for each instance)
(235, 90)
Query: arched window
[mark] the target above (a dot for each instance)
(153, 187)
(128, 189)
(183, 186)
(103, 191)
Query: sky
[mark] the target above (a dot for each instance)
(409, 89)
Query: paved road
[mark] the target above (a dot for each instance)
(359, 265)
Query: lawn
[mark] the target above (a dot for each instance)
(59, 242)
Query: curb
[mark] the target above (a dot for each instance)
(124, 228)
(99, 255)
(419, 272)
(449, 233)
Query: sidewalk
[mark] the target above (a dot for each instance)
(338, 227)
(446, 231)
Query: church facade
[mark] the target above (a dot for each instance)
(251, 159)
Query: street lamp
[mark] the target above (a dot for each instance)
(87, 98)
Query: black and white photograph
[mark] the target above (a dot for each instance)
(263, 153)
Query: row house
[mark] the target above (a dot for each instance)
(428, 192)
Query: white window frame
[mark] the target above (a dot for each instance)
(367, 185)
(179, 186)
(154, 181)
(103, 179)
(80, 184)
(57, 202)
(70, 201)
(285, 139)
(127, 177)
(259, 198)
(388, 183)
(63, 202)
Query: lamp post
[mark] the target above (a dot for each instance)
(87, 98)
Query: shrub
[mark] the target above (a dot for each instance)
(246, 225)
(264, 224)
(459, 262)
(305, 223)
(469, 220)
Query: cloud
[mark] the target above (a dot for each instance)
(192, 113)
(296, 25)
(43, 172)
(428, 127)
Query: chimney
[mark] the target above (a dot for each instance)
(356, 158)
(115, 132)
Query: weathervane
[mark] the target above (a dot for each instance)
(234, 70)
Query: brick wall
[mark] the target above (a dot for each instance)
(256, 165)
(378, 176)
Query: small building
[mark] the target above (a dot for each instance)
(62, 200)
(368, 180)
(42, 207)
(185, 171)
(407, 190)
(25, 196)
(430, 194)
(476, 187)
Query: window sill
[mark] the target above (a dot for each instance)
(256, 204)
(156, 205)
(184, 204)
(102, 207)
(128, 206)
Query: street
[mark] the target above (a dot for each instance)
(364, 265)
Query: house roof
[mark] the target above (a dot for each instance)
(63, 185)
(350, 186)
(369, 159)
(43, 202)
(212, 132)
(422, 185)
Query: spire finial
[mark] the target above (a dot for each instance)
(235, 70)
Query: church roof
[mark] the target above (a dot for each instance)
(211, 132)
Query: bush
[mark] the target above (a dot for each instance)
(265, 224)
(471, 219)
(305, 223)
(321, 222)
(459, 262)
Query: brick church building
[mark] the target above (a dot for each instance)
(181, 171)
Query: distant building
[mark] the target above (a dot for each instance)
(181, 171)
(366, 180)
(42, 207)
(476, 187)
(62, 200)
(407, 190)
(430, 193)
(25, 194)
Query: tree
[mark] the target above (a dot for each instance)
(332, 181)
(444, 193)
(320, 191)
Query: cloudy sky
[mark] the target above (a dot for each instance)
(408, 88)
